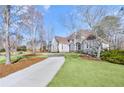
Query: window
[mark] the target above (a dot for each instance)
(78, 46)
(87, 45)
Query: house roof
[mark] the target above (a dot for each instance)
(85, 33)
(62, 40)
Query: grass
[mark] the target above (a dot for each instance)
(78, 72)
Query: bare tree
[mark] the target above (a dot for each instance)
(109, 30)
(32, 20)
(6, 16)
(50, 33)
(16, 40)
(10, 15)
(91, 15)
(42, 35)
(69, 22)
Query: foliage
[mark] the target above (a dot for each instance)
(13, 59)
(2, 59)
(2, 50)
(114, 56)
(20, 52)
(16, 58)
(21, 48)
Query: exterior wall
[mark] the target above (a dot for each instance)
(54, 46)
(105, 46)
(89, 46)
(74, 44)
(63, 48)
(72, 47)
(58, 47)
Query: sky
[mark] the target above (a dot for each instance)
(53, 17)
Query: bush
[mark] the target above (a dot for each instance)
(20, 52)
(114, 56)
(2, 50)
(21, 48)
(16, 58)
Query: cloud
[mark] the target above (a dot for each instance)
(46, 7)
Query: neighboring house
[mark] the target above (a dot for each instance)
(59, 44)
(81, 41)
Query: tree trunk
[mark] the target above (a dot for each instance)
(16, 46)
(7, 42)
(41, 47)
(16, 42)
(33, 41)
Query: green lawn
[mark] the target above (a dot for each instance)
(81, 72)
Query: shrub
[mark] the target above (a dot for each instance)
(114, 56)
(2, 50)
(20, 52)
(16, 58)
(21, 48)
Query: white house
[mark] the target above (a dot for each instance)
(80, 41)
(85, 41)
(59, 44)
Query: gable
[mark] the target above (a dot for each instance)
(61, 40)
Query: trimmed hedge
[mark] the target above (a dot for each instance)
(114, 56)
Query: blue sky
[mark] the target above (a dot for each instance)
(53, 17)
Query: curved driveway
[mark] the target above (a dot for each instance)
(37, 75)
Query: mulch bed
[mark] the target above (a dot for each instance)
(21, 64)
(32, 55)
(88, 57)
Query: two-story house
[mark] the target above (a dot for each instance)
(80, 41)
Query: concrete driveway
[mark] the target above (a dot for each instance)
(37, 75)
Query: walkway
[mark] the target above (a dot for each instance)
(37, 75)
